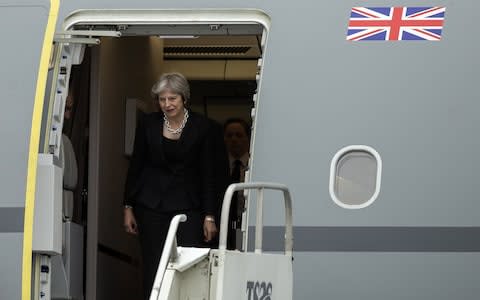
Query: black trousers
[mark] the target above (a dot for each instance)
(153, 228)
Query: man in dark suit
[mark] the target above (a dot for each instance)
(237, 140)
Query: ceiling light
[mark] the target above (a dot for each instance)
(178, 36)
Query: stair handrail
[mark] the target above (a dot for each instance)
(260, 186)
(169, 253)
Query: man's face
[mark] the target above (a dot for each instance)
(236, 140)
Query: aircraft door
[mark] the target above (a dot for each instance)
(57, 240)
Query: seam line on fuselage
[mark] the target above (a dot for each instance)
(372, 238)
(11, 219)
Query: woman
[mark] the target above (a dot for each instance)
(171, 172)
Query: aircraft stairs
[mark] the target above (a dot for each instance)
(213, 274)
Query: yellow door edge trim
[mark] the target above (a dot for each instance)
(33, 149)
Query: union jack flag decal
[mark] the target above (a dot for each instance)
(396, 23)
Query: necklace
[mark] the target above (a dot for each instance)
(179, 129)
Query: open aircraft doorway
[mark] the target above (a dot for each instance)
(221, 54)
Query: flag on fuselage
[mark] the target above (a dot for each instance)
(395, 23)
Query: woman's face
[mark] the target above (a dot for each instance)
(171, 104)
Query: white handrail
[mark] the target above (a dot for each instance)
(259, 223)
(169, 252)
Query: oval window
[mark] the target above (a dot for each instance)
(355, 175)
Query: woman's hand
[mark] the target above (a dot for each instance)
(209, 228)
(129, 222)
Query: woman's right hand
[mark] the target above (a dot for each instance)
(129, 222)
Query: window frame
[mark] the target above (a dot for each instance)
(333, 175)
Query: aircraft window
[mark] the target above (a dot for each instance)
(355, 175)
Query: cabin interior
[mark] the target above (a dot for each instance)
(106, 92)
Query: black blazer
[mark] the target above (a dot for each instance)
(156, 183)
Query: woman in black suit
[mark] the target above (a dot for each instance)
(171, 172)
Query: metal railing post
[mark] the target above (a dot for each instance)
(258, 231)
(169, 252)
(259, 222)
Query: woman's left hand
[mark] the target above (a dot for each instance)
(209, 228)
